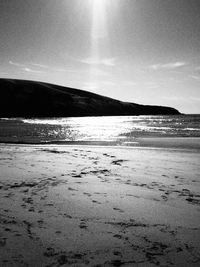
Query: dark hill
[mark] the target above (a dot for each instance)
(19, 98)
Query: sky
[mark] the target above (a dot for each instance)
(142, 51)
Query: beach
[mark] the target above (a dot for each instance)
(78, 205)
(100, 133)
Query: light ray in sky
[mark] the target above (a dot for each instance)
(99, 26)
(99, 33)
(100, 48)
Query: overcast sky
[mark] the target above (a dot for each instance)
(143, 51)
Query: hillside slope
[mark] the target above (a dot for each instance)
(20, 98)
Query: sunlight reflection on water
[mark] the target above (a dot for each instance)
(124, 128)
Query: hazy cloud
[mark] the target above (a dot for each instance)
(24, 67)
(168, 66)
(31, 70)
(39, 65)
(16, 64)
(30, 67)
(48, 67)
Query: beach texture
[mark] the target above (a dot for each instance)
(99, 206)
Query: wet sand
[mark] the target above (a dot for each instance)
(170, 142)
(99, 206)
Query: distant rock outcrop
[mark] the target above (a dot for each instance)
(20, 98)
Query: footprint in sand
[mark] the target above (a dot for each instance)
(119, 210)
(160, 189)
(28, 200)
(117, 253)
(118, 236)
(165, 198)
(117, 162)
(95, 201)
(77, 176)
(3, 241)
(193, 201)
(83, 225)
(31, 209)
(40, 211)
(6, 210)
(107, 155)
(49, 204)
(50, 252)
(87, 194)
(72, 189)
(67, 216)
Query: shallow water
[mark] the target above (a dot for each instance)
(119, 129)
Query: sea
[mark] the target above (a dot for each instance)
(107, 130)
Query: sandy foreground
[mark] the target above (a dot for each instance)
(99, 206)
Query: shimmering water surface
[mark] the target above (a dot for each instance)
(120, 129)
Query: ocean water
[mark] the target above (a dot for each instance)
(118, 130)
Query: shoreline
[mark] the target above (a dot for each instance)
(99, 206)
(182, 143)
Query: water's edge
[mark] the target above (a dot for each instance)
(177, 143)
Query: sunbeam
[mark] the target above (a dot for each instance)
(99, 26)
(100, 44)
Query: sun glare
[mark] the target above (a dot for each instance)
(99, 26)
(99, 34)
(98, 5)
(100, 14)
